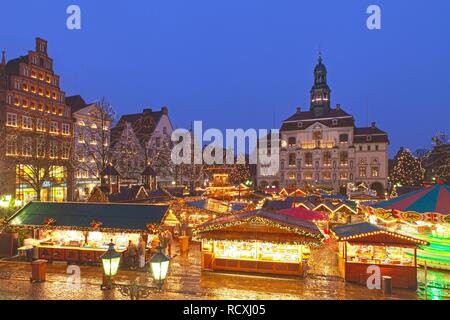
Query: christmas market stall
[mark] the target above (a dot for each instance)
(81, 232)
(363, 245)
(424, 214)
(258, 242)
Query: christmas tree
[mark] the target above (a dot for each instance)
(407, 169)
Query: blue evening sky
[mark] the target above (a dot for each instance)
(249, 63)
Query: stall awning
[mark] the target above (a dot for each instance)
(119, 217)
(434, 199)
(372, 234)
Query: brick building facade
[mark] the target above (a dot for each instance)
(36, 129)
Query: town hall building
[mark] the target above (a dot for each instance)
(323, 147)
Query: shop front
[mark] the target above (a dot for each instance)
(81, 232)
(364, 245)
(54, 187)
(257, 242)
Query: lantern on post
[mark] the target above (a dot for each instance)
(110, 262)
(159, 264)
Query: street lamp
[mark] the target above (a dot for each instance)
(159, 264)
(110, 261)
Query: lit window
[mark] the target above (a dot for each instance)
(66, 129)
(54, 127)
(53, 149)
(375, 172)
(40, 148)
(65, 150)
(11, 120)
(11, 145)
(362, 172)
(27, 147)
(27, 123)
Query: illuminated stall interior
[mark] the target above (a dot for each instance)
(257, 241)
(424, 214)
(364, 244)
(81, 232)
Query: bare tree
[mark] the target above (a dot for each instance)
(38, 156)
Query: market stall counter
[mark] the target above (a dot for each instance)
(81, 232)
(363, 245)
(258, 242)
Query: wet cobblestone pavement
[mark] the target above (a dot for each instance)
(185, 282)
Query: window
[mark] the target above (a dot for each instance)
(27, 123)
(327, 176)
(40, 126)
(308, 176)
(11, 120)
(344, 158)
(66, 129)
(40, 148)
(53, 149)
(65, 152)
(164, 130)
(11, 145)
(360, 148)
(158, 142)
(309, 159)
(292, 141)
(54, 127)
(93, 140)
(335, 122)
(327, 159)
(375, 172)
(300, 124)
(362, 172)
(292, 159)
(377, 148)
(27, 147)
(369, 148)
(344, 175)
(343, 138)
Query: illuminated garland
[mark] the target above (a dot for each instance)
(375, 233)
(263, 221)
(409, 216)
(74, 228)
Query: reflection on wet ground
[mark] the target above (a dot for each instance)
(187, 282)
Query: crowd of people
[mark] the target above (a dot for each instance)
(136, 253)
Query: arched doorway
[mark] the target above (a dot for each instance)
(378, 187)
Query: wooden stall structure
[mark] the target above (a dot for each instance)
(362, 245)
(81, 232)
(257, 242)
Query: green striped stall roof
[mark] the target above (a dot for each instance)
(81, 215)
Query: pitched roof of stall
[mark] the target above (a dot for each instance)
(286, 220)
(81, 215)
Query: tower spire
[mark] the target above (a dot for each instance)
(3, 57)
(320, 92)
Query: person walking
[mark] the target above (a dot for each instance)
(142, 248)
(132, 253)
